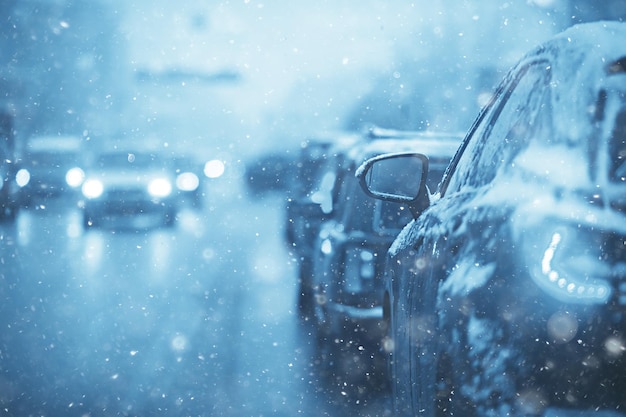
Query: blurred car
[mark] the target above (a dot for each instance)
(9, 190)
(50, 167)
(308, 204)
(350, 248)
(129, 185)
(270, 172)
(507, 294)
(297, 205)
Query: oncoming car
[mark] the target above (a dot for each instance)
(507, 294)
(128, 185)
(50, 166)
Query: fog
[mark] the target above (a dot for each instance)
(246, 75)
(201, 318)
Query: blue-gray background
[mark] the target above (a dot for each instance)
(200, 319)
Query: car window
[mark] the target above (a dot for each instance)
(506, 128)
(436, 169)
(617, 149)
(391, 217)
(360, 212)
(358, 209)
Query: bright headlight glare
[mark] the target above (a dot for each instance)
(187, 181)
(92, 188)
(159, 187)
(214, 168)
(74, 177)
(22, 177)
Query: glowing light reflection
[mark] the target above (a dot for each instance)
(597, 289)
(214, 168)
(187, 181)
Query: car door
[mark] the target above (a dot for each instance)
(457, 235)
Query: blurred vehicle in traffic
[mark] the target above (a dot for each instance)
(309, 203)
(49, 166)
(9, 189)
(129, 185)
(349, 251)
(507, 294)
(298, 204)
(270, 172)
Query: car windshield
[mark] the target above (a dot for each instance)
(52, 158)
(436, 169)
(128, 160)
(216, 280)
(391, 217)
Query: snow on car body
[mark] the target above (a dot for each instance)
(507, 295)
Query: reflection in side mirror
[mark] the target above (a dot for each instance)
(394, 177)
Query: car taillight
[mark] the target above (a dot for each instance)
(575, 263)
(359, 270)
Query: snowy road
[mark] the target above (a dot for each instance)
(195, 320)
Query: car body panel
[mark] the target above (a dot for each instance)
(506, 295)
(309, 204)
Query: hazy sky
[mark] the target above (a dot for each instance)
(304, 65)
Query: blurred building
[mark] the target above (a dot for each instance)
(63, 65)
(162, 70)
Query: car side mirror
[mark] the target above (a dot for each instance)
(397, 177)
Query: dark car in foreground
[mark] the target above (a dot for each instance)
(129, 185)
(506, 296)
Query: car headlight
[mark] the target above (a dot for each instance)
(574, 264)
(22, 177)
(159, 187)
(214, 168)
(74, 177)
(92, 188)
(187, 181)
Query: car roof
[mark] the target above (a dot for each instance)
(583, 59)
(427, 142)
